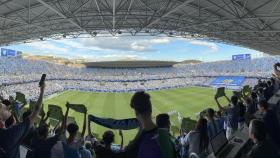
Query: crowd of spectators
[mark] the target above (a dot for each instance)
(251, 110)
(60, 85)
(153, 139)
(260, 67)
(22, 74)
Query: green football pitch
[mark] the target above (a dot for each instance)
(188, 101)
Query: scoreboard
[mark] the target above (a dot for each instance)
(8, 52)
(241, 57)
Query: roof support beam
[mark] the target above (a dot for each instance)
(169, 12)
(62, 15)
(114, 14)
(25, 23)
(128, 10)
(148, 7)
(84, 4)
(243, 31)
(231, 20)
(100, 13)
(252, 13)
(5, 2)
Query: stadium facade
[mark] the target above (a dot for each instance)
(130, 64)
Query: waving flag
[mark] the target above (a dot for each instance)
(77, 107)
(55, 112)
(21, 98)
(124, 124)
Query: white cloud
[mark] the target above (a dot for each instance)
(77, 44)
(47, 47)
(129, 44)
(111, 48)
(212, 46)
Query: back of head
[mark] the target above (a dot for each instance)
(88, 145)
(108, 137)
(201, 126)
(257, 129)
(43, 131)
(163, 121)
(210, 113)
(254, 95)
(72, 128)
(234, 100)
(141, 103)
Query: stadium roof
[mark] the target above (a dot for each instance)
(250, 23)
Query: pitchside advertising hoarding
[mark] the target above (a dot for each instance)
(8, 52)
(241, 57)
(231, 82)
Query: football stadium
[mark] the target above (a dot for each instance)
(109, 79)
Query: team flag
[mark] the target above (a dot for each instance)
(53, 122)
(220, 92)
(55, 112)
(21, 98)
(77, 107)
(188, 124)
(124, 124)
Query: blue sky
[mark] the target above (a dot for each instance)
(135, 47)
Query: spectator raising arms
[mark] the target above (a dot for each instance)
(10, 138)
(213, 125)
(232, 113)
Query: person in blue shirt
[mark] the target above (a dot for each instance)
(221, 120)
(232, 113)
(213, 124)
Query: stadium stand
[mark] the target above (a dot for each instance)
(12, 76)
(234, 130)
